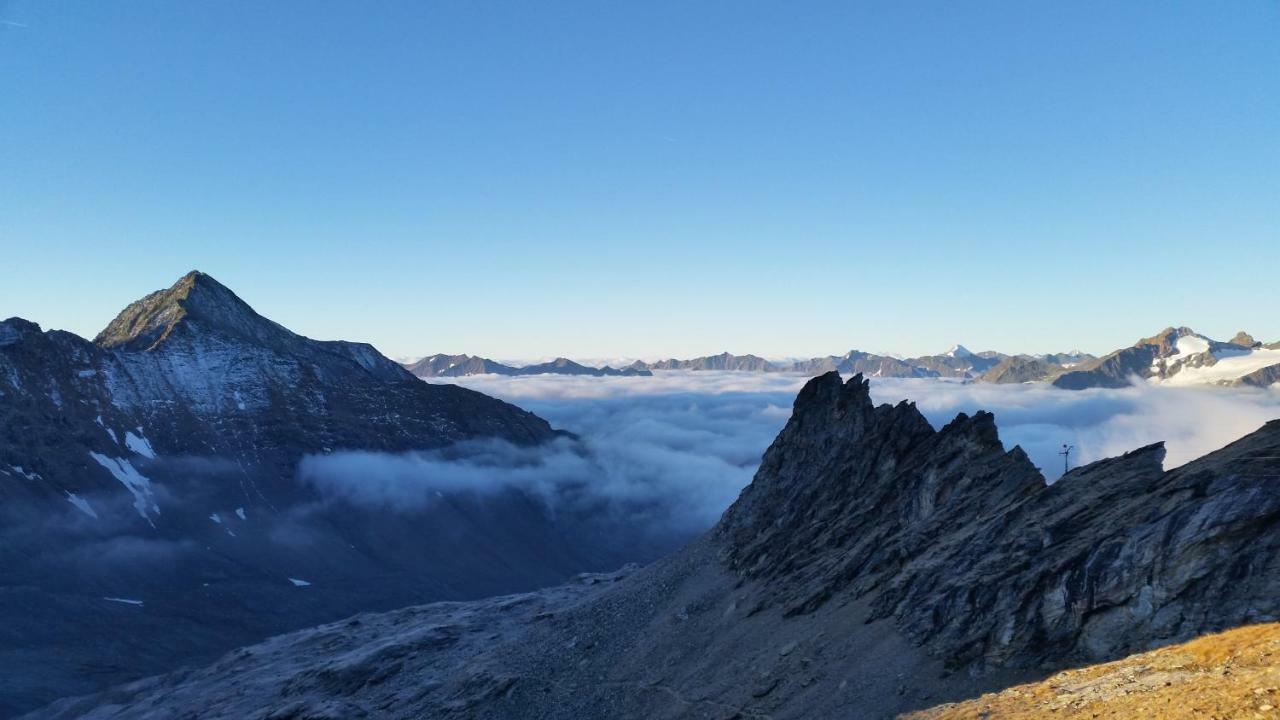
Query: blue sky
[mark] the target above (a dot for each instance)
(607, 178)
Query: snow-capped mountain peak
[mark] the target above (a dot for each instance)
(958, 351)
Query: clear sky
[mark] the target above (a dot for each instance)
(520, 179)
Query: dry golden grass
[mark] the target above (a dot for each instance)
(1235, 674)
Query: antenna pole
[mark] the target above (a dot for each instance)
(1066, 457)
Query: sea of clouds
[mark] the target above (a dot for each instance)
(675, 449)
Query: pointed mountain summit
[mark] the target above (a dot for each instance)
(958, 351)
(198, 319)
(195, 299)
(1245, 340)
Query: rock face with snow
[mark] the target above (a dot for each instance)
(158, 465)
(959, 362)
(193, 369)
(456, 366)
(1180, 356)
(873, 566)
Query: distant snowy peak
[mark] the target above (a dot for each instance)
(1199, 360)
(1181, 356)
(958, 351)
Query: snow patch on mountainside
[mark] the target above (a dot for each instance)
(204, 373)
(135, 482)
(8, 335)
(1189, 345)
(33, 476)
(110, 432)
(82, 505)
(139, 445)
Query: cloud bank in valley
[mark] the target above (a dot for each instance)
(673, 458)
(677, 448)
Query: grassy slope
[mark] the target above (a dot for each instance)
(1235, 674)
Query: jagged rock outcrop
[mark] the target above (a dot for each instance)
(873, 566)
(1244, 339)
(974, 556)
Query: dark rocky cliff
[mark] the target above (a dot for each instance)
(972, 555)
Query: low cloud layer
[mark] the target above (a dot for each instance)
(679, 447)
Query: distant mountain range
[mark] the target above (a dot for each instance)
(958, 362)
(1174, 356)
(460, 365)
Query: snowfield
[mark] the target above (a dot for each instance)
(1230, 366)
